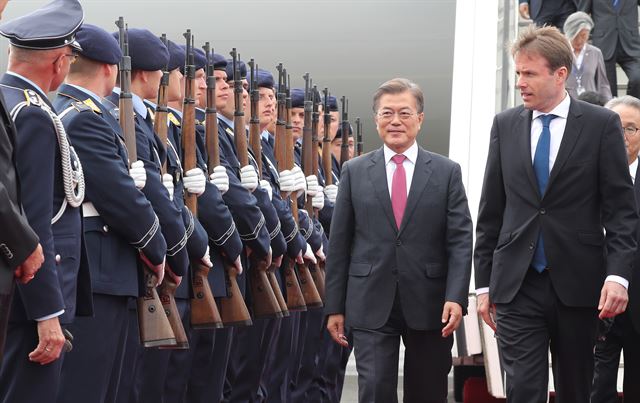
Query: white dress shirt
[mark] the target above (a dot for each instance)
(633, 168)
(556, 129)
(409, 164)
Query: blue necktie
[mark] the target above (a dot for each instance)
(541, 168)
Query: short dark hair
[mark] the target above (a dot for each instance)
(593, 97)
(397, 86)
(547, 42)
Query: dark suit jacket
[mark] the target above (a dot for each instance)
(589, 190)
(17, 239)
(634, 286)
(613, 25)
(428, 259)
(541, 10)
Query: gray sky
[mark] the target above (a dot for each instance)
(350, 46)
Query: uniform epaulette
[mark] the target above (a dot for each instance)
(152, 114)
(173, 119)
(81, 106)
(228, 130)
(89, 102)
(32, 98)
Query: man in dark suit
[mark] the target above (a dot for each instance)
(547, 12)
(556, 178)
(42, 49)
(625, 332)
(616, 34)
(21, 251)
(405, 271)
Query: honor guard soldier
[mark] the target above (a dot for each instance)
(250, 344)
(42, 49)
(209, 354)
(154, 374)
(148, 57)
(119, 222)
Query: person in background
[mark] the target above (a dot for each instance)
(588, 72)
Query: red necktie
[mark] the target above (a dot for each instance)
(399, 189)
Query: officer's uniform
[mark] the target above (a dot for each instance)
(61, 288)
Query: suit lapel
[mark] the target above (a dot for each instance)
(421, 175)
(523, 131)
(572, 131)
(378, 177)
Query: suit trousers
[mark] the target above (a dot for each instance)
(631, 67)
(621, 336)
(20, 379)
(532, 323)
(427, 362)
(90, 372)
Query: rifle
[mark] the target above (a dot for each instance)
(326, 141)
(310, 162)
(167, 289)
(204, 312)
(309, 291)
(344, 148)
(359, 143)
(233, 310)
(255, 143)
(265, 304)
(295, 299)
(155, 329)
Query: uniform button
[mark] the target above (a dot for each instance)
(543, 211)
(58, 259)
(105, 228)
(398, 242)
(532, 245)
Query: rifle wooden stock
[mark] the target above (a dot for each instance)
(326, 141)
(155, 329)
(265, 303)
(284, 159)
(204, 311)
(167, 292)
(295, 298)
(160, 124)
(318, 278)
(273, 280)
(233, 310)
(211, 127)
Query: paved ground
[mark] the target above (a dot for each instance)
(350, 392)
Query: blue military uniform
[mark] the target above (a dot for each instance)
(119, 224)
(62, 286)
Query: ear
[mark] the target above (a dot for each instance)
(420, 118)
(562, 73)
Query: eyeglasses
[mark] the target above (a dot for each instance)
(630, 131)
(387, 116)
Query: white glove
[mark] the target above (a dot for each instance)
(249, 178)
(264, 184)
(194, 181)
(312, 185)
(220, 178)
(287, 181)
(206, 259)
(318, 200)
(138, 174)
(167, 181)
(308, 255)
(332, 192)
(320, 254)
(237, 264)
(301, 183)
